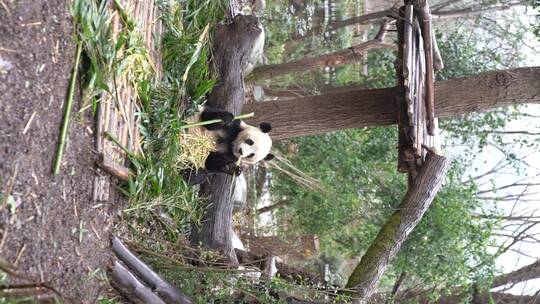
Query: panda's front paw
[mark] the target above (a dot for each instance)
(227, 118)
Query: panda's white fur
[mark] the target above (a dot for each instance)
(251, 144)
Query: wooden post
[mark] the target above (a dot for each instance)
(423, 11)
(386, 245)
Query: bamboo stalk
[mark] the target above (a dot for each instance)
(114, 140)
(211, 121)
(69, 105)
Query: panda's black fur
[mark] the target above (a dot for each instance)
(218, 161)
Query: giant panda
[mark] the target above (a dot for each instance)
(237, 144)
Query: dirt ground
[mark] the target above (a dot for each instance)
(57, 233)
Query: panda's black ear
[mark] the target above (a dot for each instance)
(265, 127)
(269, 156)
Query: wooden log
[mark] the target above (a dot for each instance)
(168, 292)
(404, 94)
(130, 287)
(232, 45)
(363, 108)
(427, 34)
(395, 231)
(114, 168)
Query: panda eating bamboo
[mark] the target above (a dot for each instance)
(237, 144)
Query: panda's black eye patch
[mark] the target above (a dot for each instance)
(251, 155)
(249, 142)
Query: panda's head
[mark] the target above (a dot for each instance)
(252, 144)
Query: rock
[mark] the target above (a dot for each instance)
(239, 193)
(236, 241)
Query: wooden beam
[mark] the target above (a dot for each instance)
(395, 231)
(362, 108)
(424, 16)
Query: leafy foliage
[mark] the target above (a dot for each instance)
(358, 171)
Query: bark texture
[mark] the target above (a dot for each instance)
(232, 46)
(362, 108)
(371, 267)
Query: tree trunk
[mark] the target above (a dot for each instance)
(362, 108)
(232, 46)
(272, 207)
(371, 267)
(339, 58)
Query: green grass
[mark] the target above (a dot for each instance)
(186, 48)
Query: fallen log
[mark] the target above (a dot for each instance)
(232, 45)
(168, 292)
(131, 288)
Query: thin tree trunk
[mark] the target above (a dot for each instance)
(272, 207)
(339, 58)
(529, 272)
(374, 17)
(393, 234)
(361, 108)
(486, 297)
(358, 20)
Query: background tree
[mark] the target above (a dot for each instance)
(456, 243)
